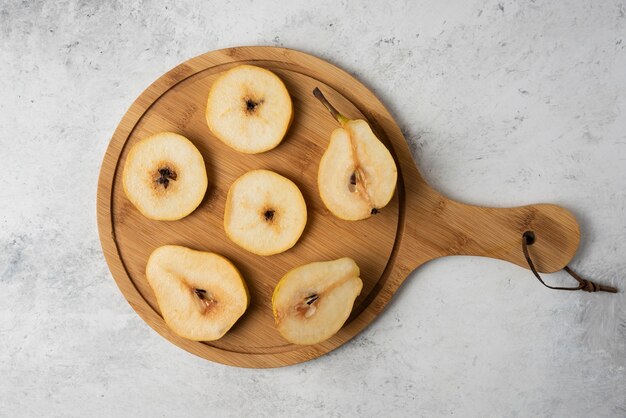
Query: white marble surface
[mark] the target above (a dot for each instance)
(503, 103)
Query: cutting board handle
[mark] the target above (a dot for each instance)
(448, 227)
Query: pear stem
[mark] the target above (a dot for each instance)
(340, 118)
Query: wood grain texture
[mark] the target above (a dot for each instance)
(418, 225)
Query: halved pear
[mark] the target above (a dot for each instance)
(357, 174)
(201, 295)
(249, 109)
(164, 176)
(312, 302)
(265, 212)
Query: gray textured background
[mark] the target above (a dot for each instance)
(503, 103)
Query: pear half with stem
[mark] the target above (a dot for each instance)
(201, 295)
(357, 174)
(312, 302)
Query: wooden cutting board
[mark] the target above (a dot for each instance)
(417, 226)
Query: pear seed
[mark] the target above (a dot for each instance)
(311, 299)
(166, 175)
(251, 104)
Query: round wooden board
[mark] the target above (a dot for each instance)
(177, 103)
(419, 224)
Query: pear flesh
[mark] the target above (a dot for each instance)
(200, 294)
(312, 302)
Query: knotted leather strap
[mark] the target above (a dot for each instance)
(528, 238)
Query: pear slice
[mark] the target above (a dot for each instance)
(265, 212)
(201, 295)
(312, 302)
(357, 174)
(249, 109)
(164, 176)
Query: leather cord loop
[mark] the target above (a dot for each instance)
(529, 238)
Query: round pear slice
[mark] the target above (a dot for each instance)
(165, 177)
(312, 302)
(265, 212)
(201, 295)
(249, 109)
(357, 175)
